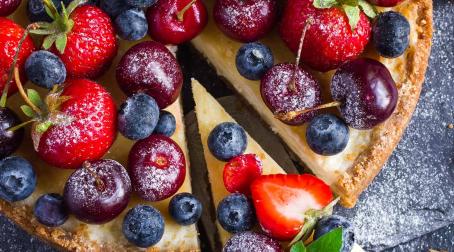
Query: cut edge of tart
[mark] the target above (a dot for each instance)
(350, 172)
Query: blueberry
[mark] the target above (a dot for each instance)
(143, 226)
(391, 33)
(227, 140)
(9, 140)
(166, 124)
(326, 224)
(235, 213)
(45, 69)
(253, 60)
(327, 135)
(37, 13)
(131, 24)
(141, 3)
(185, 209)
(138, 116)
(17, 179)
(50, 210)
(114, 7)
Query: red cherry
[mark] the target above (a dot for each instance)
(245, 20)
(176, 21)
(240, 172)
(8, 6)
(385, 3)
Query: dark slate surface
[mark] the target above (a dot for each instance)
(410, 206)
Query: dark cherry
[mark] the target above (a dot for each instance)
(151, 68)
(250, 241)
(157, 167)
(8, 6)
(284, 91)
(9, 140)
(98, 192)
(245, 20)
(366, 91)
(385, 3)
(176, 21)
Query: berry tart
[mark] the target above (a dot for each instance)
(336, 45)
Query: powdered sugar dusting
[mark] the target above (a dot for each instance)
(251, 242)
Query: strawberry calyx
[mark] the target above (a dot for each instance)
(311, 217)
(352, 9)
(57, 30)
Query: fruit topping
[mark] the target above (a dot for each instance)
(253, 60)
(227, 140)
(151, 68)
(326, 224)
(131, 24)
(391, 34)
(332, 38)
(141, 3)
(10, 37)
(157, 167)
(114, 7)
(176, 21)
(240, 171)
(166, 125)
(45, 69)
(143, 226)
(185, 209)
(10, 140)
(282, 201)
(17, 179)
(98, 192)
(50, 210)
(366, 91)
(327, 135)
(246, 20)
(138, 116)
(286, 88)
(385, 3)
(235, 213)
(8, 6)
(251, 242)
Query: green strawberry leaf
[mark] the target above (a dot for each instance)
(49, 41)
(350, 2)
(60, 42)
(28, 111)
(323, 4)
(50, 8)
(43, 127)
(42, 32)
(329, 242)
(352, 13)
(74, 4)
(34, 97)
(367, 8)
(298, 247)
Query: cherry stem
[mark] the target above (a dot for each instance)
(292, 85)
(13, 65)
(99, 183)
(16, 127)
(23, 94)
(181, 13)
(288, 116)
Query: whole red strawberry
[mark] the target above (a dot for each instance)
(281, 201)
(331, 38)
(10, 35)
(82, 125)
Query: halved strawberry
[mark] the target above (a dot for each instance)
(240, 172)
(281, 202)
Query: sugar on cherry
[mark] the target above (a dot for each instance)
(246, 20)
(176, 21)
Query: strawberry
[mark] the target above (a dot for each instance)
(84, 38)
(10, 35)
(332, 36)
(240, 172)
(281, 202)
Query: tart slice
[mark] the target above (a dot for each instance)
(209, 115)
(351, 171)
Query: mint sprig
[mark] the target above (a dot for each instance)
(329, 242)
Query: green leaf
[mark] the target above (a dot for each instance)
(74, 4)
(34, 97)
(298, 247)
(43, 127)
(42, 32)
(28, 111)
(352, 13)
(49, 40)
(60, 43)
(368, 9)
(323, 4)
(350, 2)
(329, 242)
